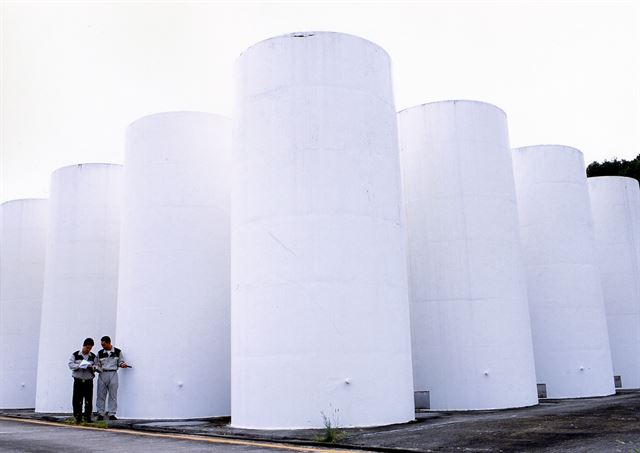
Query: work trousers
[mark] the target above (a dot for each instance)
(107, 383)
(82, 393)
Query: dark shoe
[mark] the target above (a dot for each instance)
(112, 417)
(88, 420)
(78, 420)
(100, 417)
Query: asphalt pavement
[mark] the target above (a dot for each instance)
(31, 436)
(602, 424)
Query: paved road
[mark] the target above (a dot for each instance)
(17, 436)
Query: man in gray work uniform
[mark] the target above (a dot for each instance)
(108, 361)
(81, 364)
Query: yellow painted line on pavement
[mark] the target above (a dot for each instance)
(211, 440)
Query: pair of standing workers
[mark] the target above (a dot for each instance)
(84, 365)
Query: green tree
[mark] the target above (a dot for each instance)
(615, 167)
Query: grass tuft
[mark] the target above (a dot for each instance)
(97, 424)
(331, 432)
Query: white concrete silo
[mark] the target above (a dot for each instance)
(614, 201)
(173, 300)
(320, 321)
(23, 232)
(81, 273)
(634, 206)
(472, 346)
(568, 321)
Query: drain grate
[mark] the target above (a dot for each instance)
(542, 390)
(421, 399)
(617, 381)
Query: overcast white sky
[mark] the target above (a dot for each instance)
(74, 74)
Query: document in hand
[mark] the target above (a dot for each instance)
(85, 363)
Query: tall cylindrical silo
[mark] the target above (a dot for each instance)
(23, 233)
(568, 321)
(81, 273)
(472, 345)
(634, 204)
(174, 267)
(320, 321)
(614, 201)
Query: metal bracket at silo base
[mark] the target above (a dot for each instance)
(421, 400)
(542, 390)
(617, 382)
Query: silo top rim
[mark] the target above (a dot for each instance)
(308, 34)
(547, 145)
(177, 113)
(613, 177)
(23, 199)
(88, 164)
(453, 101)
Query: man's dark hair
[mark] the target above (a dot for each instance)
(106, 339)
(87, 342)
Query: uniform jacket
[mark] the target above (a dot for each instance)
(74, 365)
(109, 360)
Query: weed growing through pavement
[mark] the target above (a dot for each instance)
(331, 433)
(97, 424)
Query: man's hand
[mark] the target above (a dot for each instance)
(123, 365)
